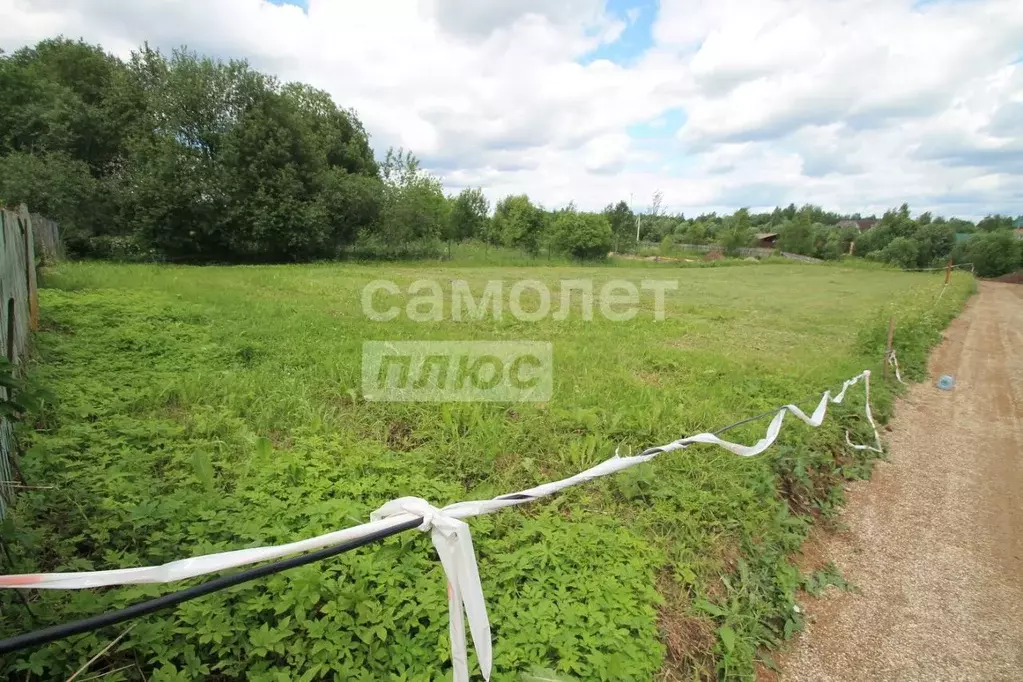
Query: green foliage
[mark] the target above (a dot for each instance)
(994, 223)
(623, 226)
(894, 224)
(818, 581)
(934, 243)
(836, 241)
(518, 223)
(415, 210)
(993, 253)
(738, 234)
(55, 185)
(796, 236)
(585, 236)
(469, 215)
(901, 251)
(19, 395)
(921, 316)
(207, 409)
(190, 157)
(695, 233)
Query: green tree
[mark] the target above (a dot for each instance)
(55, 185)
(519, 223)
(61, 97)
(796, 236)
(993, 223)
(838, 241)
(667, 245)
(696, 233)
(901, 251)
(934, 243)
(586, 236)
(415, 210)
(469, 214)
(994, 253)
(67, 105)
(738, 234)
(196, 158)
(623, 226)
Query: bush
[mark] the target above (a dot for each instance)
(901, 251)
(667, 245)
(993, 253)
(126, 249)
(586, 236)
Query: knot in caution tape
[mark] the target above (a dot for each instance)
(453, 542)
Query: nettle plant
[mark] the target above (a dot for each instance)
(210, 409)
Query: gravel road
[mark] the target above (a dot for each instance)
(934, 542)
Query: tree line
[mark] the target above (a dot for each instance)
(183, 157)
(991, 244)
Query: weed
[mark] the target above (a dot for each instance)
(207, 409)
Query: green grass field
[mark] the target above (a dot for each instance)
(206, 409)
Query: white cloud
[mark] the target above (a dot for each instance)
(853, 104)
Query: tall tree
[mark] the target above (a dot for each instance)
(469, 214)
(415, 210)
(738, 233)
(796, 236)
(623, 225)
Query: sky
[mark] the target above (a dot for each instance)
(855, 105)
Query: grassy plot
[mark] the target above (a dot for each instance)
(206, 409)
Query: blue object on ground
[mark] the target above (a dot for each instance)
(946, 383)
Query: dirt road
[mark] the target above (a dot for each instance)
(935, 540)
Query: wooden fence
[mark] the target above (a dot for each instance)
(48, 245)
(19, 315)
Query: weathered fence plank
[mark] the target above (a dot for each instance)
(48, 245)
(19, 315)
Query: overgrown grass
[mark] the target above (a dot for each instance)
(205, 409)
(473, 254)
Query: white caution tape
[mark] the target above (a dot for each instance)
(450, 535)
(957, 266)
(894, 362)
(453, 542)
(814, 420)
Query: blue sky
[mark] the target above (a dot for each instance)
(857, 106)
(637, 37)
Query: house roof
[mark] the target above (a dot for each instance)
(766, 235)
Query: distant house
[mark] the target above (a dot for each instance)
(861, 225)
(767, 240)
